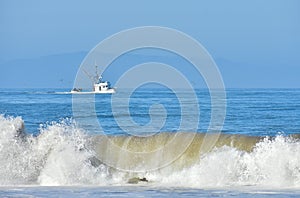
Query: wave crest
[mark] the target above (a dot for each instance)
(63, 154)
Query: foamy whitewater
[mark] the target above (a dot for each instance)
(61, 155)
(257, 153)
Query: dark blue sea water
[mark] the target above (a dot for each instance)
(255, 112)
(45, 136)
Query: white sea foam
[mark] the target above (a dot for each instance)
(56, 157)
(59, 156)
(272, 163)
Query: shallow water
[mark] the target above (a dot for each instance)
(141, 191)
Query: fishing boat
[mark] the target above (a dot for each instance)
(99, 86)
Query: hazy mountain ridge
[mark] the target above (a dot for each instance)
(59, 69)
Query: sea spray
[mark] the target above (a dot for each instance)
(67, 158)
(63, 154)
(18, 164)
(56, 157)
(272, 163)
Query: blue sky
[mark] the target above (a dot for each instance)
(254, 43)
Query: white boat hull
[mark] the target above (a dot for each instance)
(108, 91)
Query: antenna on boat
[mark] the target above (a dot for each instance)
(98, 77)
(96, 68)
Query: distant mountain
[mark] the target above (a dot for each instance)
(59, 71)
(53, 71)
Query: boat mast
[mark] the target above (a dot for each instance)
(98, 77)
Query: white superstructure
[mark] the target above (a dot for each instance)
(103, 87)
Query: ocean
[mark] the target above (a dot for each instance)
(159, 142)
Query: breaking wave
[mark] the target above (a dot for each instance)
(63, 154)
